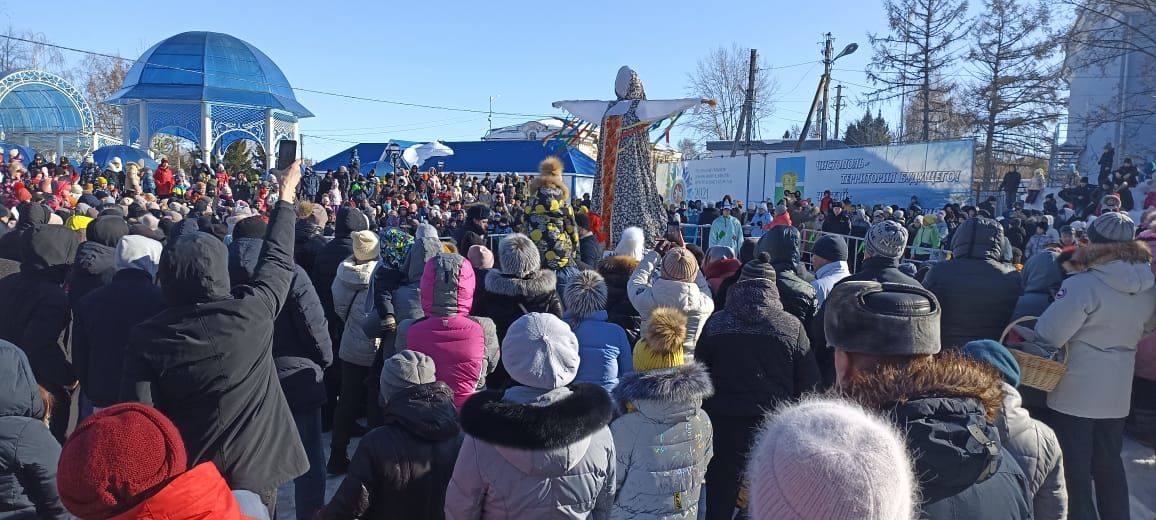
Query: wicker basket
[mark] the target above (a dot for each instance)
(1036, 372)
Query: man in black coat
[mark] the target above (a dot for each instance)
(307, 241)
(883, 247)
(95, 261)
(758, 357)
(32, 214)
(301, 351)
(206, 361)
(104, 317)
(1011, 187)
(324, 271)
(799, 299)
(836, 221)
(35, 316)
(977, 289)
(473, 230)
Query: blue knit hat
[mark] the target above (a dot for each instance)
(996, 355)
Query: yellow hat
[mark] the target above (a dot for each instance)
(78, 222)
(661, 346)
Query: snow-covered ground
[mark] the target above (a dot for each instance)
(1139, 462)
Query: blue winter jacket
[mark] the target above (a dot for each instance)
(603, 350)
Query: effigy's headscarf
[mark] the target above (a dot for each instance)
(627, 85)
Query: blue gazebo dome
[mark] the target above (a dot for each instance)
(209, 67)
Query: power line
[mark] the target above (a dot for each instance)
(247, 79)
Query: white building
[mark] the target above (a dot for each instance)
(1112, 88)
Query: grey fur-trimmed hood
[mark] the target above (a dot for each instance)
(537, 283)
(687, 383)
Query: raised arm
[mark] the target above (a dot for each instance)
(661, 109)
(589, 111)
(274, 272)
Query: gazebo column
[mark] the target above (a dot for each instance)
(126, 138)
(270, 140)
(206, 134)
(145, 137)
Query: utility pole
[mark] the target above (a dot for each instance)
(748, 106)
(828, 51)
(838, 106)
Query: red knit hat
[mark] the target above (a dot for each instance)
(117, 458)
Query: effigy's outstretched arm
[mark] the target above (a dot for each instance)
(658, 109)
(590, 111)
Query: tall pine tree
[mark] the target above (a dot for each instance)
(1016, 93)
(868, 131)
(921, 44)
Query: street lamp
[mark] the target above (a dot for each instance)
(394, 151)
(828, 61)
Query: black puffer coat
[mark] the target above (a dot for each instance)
(32, 214)
(616, 270)
(328, 259)
(34, 314)
(102, 321)
(507, 298)
(301, 344)
(307, 243)
(401, 469)
(757, 354)
(28, 452)
(96, 257)
(978, 292)
(206, 360)
(940, 401)
(797, 295)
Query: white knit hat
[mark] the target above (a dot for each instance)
(831, 459)
(632, 243)
(365, 246)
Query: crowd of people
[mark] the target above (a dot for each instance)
(177, 349)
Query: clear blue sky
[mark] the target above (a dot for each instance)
(460, 53)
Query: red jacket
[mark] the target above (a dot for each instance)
(199, 493)
(164, 179)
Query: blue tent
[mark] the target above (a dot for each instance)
(127, 154)
(513, 156)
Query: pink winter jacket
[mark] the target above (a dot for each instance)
(1146, 349)
(464, 348)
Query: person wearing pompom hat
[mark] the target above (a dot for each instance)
(350, 290)
(550, 221)
(830, 459)
(1099, 315)
(663, 430)
(758, 357)
(128, 461)
(680, 285)
(402, 469)
(543, 429)
(603, 346)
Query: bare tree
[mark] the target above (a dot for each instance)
(26, 50)
(103, 76)
(688, 148)
(723, 75)
(1016, 93)
(946, 114)
(910, 59)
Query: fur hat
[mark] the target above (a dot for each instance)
(661, 345)
(366, 246)
(632, 243)
(403, 370)
(679, 265)
(481, 256)
(585, 294)
(550, 176)
(117, 458)
(540, 351)
(888, 319)
(886, 239)
(518, 255)
(829, 458)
